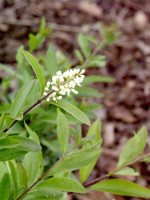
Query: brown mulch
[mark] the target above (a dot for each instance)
(127, 100)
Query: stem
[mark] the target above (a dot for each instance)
(108, 175)
(28, 110)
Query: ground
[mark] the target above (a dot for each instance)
(126, 101)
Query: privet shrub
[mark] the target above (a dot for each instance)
(37, 159)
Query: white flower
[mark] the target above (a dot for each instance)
(64, 83)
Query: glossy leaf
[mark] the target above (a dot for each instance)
(133, 147)
(62, 184)
(20, 100)
(74, 111)
(37, 69)
(5, 187)
(121, 187)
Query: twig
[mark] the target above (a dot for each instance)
(109, 174)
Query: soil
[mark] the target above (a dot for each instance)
(127, 100)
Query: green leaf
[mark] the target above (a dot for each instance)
(45, 194)
(121, 187)
(97, 79)
(3, 169)
(8, 143)
(146, 159)
(9, 70)
(37, 69)
(2, 117)
(5, 187)
(79, 56)
(92, 40)
(87, 92)
(74, 111)
(11, 153)
(51, 61)
(14, 176)
(85, 172)
(42, 25)
(133, 147)
(62, 184)
(33, 171)
(20, 100)
(23, 175)
(97, 61)
(127, 171)
(62, 130)
(27, 144)
(35, 137)
(84, 45)
(96, 132)
(19, 55)
(76, 160)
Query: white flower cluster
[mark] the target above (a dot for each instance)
(64, 83)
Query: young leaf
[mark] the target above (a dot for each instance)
(51, 61)
(5, 187)
(97, 79)
(62, 130)
(127, 171)
(62, 184)
(133, 147)
(74, 111)
(121, 187)
(20, 99)
(79, 56)
(37, 69)
(19, 55)
(97, 61)
(84, 45)
(88, 92)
